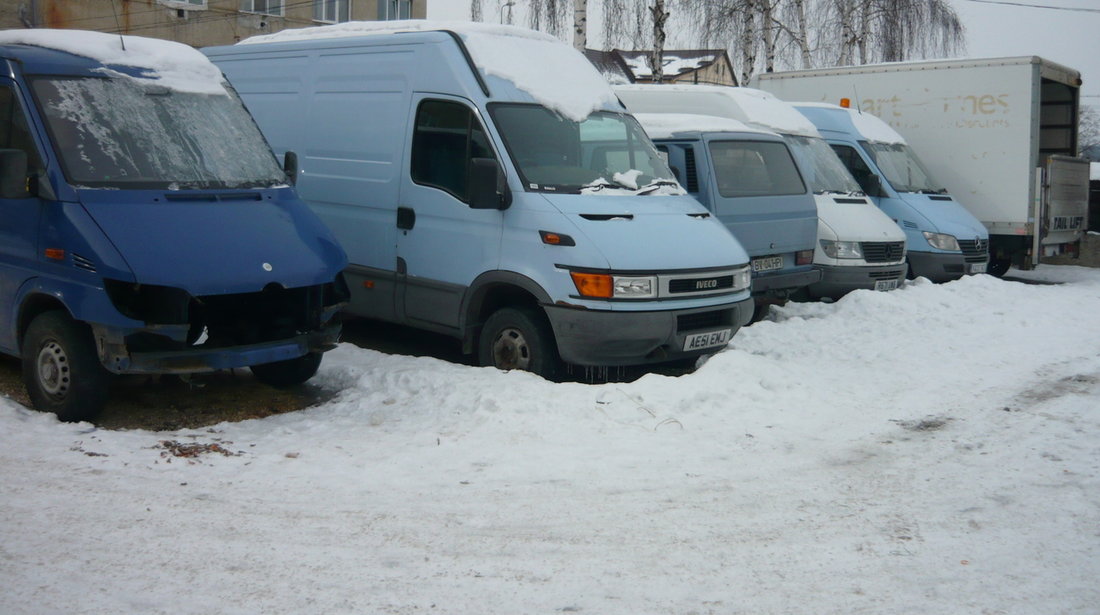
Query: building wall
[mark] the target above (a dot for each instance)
(717, 73)
(217, 22)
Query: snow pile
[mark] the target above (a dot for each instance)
(754, 107)
(665, 125)
(933, 446)
(169, 64)
(553, 73)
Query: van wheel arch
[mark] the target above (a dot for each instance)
(33, 306)
(491, 292)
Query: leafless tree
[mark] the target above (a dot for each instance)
(656, 54)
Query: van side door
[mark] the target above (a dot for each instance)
(19, 214)
(443, 243)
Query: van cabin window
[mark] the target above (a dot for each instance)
(851, 159)
(755, 168)
(446, 138)
(14, 130)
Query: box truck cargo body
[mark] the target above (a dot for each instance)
(1001, 134)
(526, 214)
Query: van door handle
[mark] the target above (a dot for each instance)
(406, 218)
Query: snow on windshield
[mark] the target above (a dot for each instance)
(169, 64)
(553, 73)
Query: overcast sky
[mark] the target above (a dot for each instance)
(994, 28)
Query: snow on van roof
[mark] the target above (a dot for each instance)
(1094, 171)
(871, 127)
(753, 107)
(553, 73)
(665, 125)
(166, 63)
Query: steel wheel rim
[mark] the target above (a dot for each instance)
(510, 350)
(53, 369)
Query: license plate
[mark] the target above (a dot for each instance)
(767, 263)
(886, 284)
(707, 340)
(977, 268)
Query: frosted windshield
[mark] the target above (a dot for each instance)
(820, 166)
(119, 133)
(902, 168)
(607, 151)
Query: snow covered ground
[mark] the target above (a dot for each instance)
(929, 450)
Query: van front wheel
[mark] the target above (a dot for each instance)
(285, 374)
(61, 369)
(519, 339)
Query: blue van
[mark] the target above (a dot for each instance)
(520, 210)
(146, 226)
(749, 179)
(945, 240)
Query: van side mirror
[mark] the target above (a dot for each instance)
(290, 167)
(872, 185)
(488, 188)
(13, 174)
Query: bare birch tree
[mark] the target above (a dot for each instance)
(656, 54)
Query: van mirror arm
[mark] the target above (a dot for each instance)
(290, 167)
(488, 188)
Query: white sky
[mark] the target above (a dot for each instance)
(1065, 36)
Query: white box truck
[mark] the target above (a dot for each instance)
(1000, 133)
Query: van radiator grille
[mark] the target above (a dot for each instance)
(703, 320)
(883, 275)
(691, 285)
(691, 175)
(974, 250)
(882, 251)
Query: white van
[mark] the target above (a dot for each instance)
(858, 245)
(487, 184)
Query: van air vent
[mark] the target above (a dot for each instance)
(81, 262)
(605, 217)
(691, 175)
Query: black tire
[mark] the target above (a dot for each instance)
(520, 338)
(289, 373)
(998, 266)
(61, 369)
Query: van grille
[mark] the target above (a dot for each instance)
(974, 250)
(691, 285)
(883, 275)
(882, 251)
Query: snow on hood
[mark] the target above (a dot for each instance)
(753, 107)
(553, 73)
(166, 63)
(665, 125)
(869, 126)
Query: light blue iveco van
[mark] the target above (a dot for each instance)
(487, 184)
(945, 240)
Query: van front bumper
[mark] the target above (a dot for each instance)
(942, 267)
(605, 338)
(839, 281)
(117, 358)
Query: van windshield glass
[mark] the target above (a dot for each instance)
(821, 167)
(117, 133)
(754, 168)
(607, 152)
(902, 168)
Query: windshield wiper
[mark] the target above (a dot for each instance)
(602, 183)
(652, 186)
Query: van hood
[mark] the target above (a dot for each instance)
(217, 242)
(651, 233)
(942, 216)
(854, 218)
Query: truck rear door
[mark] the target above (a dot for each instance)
(1066, 199)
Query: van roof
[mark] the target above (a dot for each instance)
(665, 125)
(753, 107)
(165, 63)
(551, 72)
(864, 124)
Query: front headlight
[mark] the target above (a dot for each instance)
(841, 249)
(942, 241)
(742, 279)
(606, 286)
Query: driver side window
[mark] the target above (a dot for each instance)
(446, 138)
(14, 130)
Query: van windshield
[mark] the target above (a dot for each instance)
(606, 152)
(118, 133)
(902, 168)
(754, 168)
(820, 165)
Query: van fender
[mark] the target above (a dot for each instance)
(83, 302)
(492, 290)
